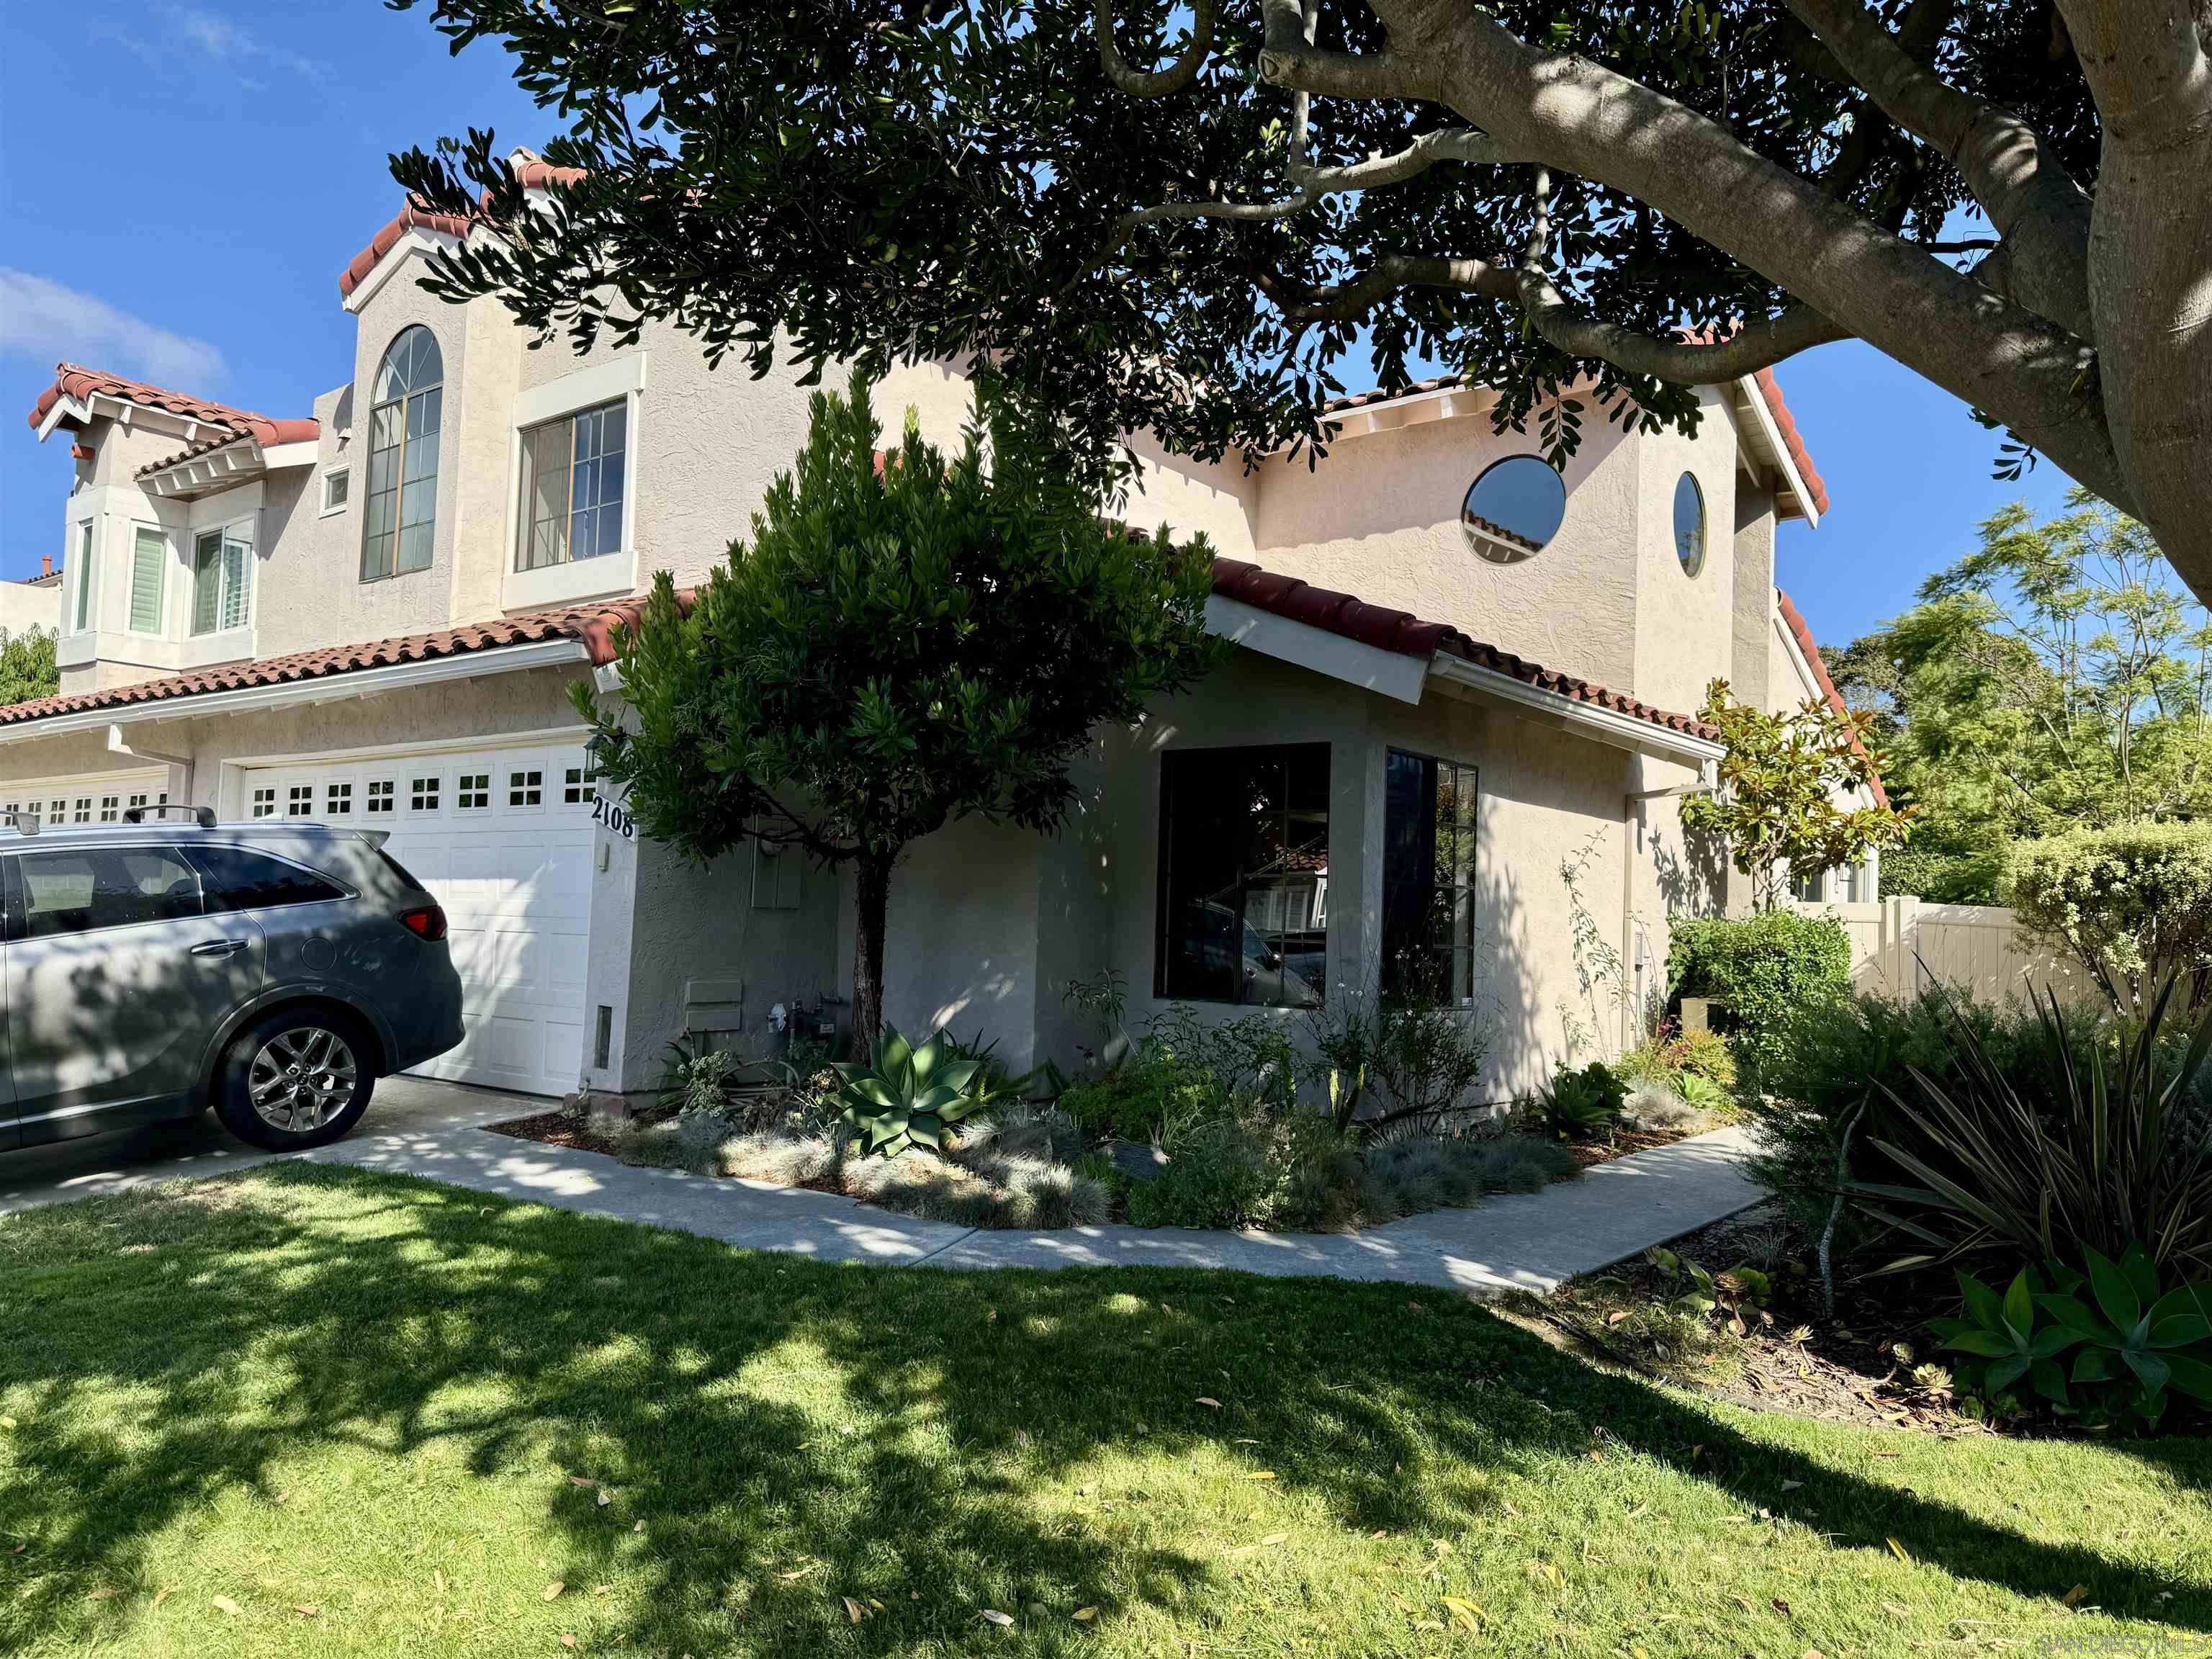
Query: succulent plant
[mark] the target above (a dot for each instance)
(906, 1096)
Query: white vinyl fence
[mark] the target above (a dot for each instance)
(1901, 946)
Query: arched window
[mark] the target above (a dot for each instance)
(401, 511)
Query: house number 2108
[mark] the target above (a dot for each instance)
(614, 816)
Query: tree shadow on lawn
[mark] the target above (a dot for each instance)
(299, 1309)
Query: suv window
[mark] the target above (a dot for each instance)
(84, 889)
(239, 880)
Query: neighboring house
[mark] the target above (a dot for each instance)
(371, 614)
(36, 603)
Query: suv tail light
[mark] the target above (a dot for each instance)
(424, 921)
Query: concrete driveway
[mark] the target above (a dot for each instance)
(401, 1106)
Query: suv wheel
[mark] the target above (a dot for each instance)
(296, 1079)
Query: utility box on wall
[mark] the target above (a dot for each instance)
(714, 1013)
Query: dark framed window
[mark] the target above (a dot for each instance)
(238, 880)
(1243, 887)
(1428, 878)
(79, 892)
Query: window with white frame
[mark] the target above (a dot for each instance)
(83, 576)
(264, 802)
(338, 486)
(150, 559)
(422, 794)
(380, 800)
(111, 808)
(337, 800)
(525, 788)
(300, 801)
(222, 578)
(573, 476)
(571, 787)
(472, 790)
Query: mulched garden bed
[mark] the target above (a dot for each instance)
(555, 1130)
(1856, 1367)
(1626, 1141)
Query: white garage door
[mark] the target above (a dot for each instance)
(91, 797)
(502, 838)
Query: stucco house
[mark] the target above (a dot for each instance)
(35, 603)
(1461, 675)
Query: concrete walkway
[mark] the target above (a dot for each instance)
(1528, 1242)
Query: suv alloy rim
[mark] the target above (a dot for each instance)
(300, 1078)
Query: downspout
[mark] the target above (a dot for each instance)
(117, 745)
(1632, 833)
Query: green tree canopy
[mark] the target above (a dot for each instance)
(1786, 781)
(2056, 678)
(1182, 216)
(903, 642)
(28, 668)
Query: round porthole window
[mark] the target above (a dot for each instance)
(1513, 509)
(1689, 524)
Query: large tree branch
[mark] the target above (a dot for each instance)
(1155, 83)
(1349, 302)
(1583, 118)
(2145, 63)
(1753, 347)
(2019, 182)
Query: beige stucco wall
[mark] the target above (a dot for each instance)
(1380, 518)
(1683, 623)
(26, 605)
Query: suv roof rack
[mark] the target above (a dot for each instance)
(23, 824)
(203, 816)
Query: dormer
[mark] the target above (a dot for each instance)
(164, 527)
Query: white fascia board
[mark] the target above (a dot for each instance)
(1391, 673)
(303, 453)
(417, 241)
(64, 409)
(1784, 463)
(329, 688)
(1591, 720)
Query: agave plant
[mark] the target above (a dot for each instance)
(905, 1095)
(2052, 1167)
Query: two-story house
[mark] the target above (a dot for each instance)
(1451, 747)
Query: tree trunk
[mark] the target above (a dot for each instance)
(871, 892)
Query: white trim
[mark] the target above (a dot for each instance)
(416, 240)
(1599, 724)
(322, 507)
(1391, 673)
(1781, 460)
(581, 389)
(65, 408)
(330, 688)
(162, 592)
(275, 457)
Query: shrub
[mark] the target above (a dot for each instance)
(1582, 1105)
(1766, 968)
(2056, 1156)
(2132, 905)
(1667, 1060)
(1405, 1178)
(1139, 1100)
(1975, 877)
(2109, 1345)
(995, 1191)
(1398, 1061)
(1217, 1176)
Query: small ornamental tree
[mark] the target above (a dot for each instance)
(905, 640)
(2132, 903)
(1779, 778)
(28, 669)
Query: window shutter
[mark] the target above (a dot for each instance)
(146, 552)
(207, 581)
(236, 557)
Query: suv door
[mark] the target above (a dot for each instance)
(116, 982)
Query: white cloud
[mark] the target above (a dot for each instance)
(50, 323)
(223, 41)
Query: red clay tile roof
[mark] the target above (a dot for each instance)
(1409, 636)
(1769, 389)
(1795, 622)
(260, 428)
(75, 380)
(408, 218)
(588, 624)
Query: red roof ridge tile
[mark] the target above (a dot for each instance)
(260, 428)
(77, 380)
(1794, 620)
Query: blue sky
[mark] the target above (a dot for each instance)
(181, 184)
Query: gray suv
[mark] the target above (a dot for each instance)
(154, 967)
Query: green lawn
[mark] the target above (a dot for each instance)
(351, 1407)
